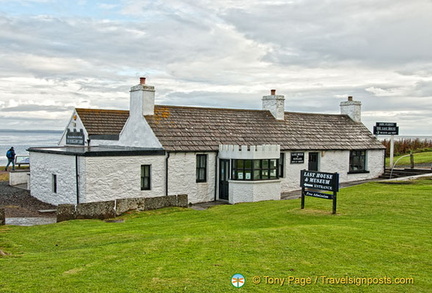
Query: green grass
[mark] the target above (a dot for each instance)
(419, 158)
(380, 231)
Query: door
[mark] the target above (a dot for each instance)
(313, 162)
(223, 179)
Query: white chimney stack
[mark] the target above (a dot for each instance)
(275, 104)
(142, 99)
(352, 109)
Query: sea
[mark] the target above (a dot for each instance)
(21, 140)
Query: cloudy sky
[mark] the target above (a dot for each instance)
(59, 54)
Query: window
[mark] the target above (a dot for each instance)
(255, 169)
(201, 168)
(54, 183)
(145, 177)
(281, 165)
(357, 162)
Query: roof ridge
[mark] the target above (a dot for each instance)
(100, 110)
(206, 108)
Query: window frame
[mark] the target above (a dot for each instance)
(146, 174)
(357, 158)
(54, 183)
(281, 165)
(201, 168)
(255, 169)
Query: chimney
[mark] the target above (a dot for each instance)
(142, 99)
(351, 108)
(275, 104)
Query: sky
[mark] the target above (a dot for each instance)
(56, 55)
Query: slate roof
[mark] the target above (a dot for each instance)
(103, 122)
(204, 129)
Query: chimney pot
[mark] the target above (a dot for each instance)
(142, 80)
(350, 98)
(273, 92)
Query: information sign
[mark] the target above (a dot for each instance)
(319, 181)
(297, 158)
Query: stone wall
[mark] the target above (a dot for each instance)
(19, 177)
(2, 217)
(110, 209)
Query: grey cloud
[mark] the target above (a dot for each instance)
(33, 107)
(375, 32)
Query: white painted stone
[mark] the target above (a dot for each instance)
(182, 177)
(18, 177)
(137, 132)
(252, 191)
(352, 109)
(109, 178)
(101, 178)
(331, 162)
(73, 124)
(275, 104)
(142, 100)
(249, 153)
(43, 166)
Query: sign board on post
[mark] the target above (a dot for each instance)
(319, 181)
(386, 128)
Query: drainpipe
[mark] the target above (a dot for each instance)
(166, 174)
(77, 179)
(216, 175)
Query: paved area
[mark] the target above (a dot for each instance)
(17, 202)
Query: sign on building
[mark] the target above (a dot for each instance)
(297, 157)
(75, 137)
(319, 182)
(386, 128)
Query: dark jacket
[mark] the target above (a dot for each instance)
(10, 154)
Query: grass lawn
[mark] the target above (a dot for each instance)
(419, 158)
(381, 231)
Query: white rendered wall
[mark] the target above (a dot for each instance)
(352, 109)
(251, 191)
(18, 177)
(339, 161)
(182, 177)
(291, 179)
(333, 161)
(249, 153)
(73, 124)
(275, 104)
(109, 178)
(138, 133)
(43, 166)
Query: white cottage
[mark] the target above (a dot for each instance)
(208, 153)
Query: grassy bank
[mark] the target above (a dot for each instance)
(419, 158)
(380, 231)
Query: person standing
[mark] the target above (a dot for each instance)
(10, 154)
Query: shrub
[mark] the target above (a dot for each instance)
(404, 146)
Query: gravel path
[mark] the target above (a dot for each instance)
(18, 203)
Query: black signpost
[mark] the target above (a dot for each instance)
(319, 181)
(386, 128)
